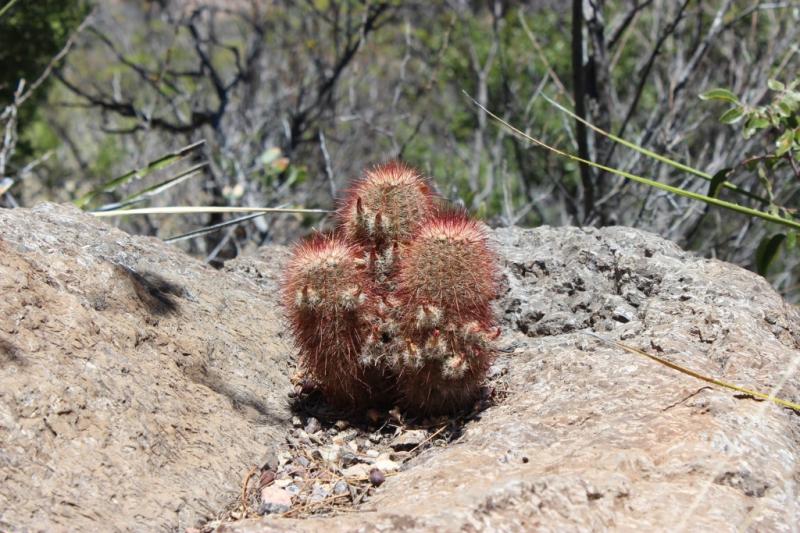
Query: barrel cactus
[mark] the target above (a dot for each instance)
(396, 305)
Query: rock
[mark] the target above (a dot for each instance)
(296, 422)
(274, 500)
(349, 459)
(302, 461)
(342, 437)
(372, 453)
(376, 477)
(319, 492)
(137, 385)
(408, 440)
(329, 454)
(385, 464)
(594, 438)
(341, 487)
(267, 477)
(356, 471)
(312, 425)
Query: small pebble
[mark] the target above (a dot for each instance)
(319, 492)
(409, 440)
(293, 488)
(274, 500)
(342, 424)
(349, 459)
(267, 477)
(296, 422)
(386, 465)
(353, 445)
(376, 477)
(356, 471)
(302, 461)
(375, 437)
(341, 487)
(312, 425)
(329, 454)
(373, 453)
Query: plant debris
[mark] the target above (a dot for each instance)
(330, 464)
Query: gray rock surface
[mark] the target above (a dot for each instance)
(138, 385)
(590, 437)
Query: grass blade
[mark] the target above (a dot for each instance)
(162, 162)
(6, 7)
(653, 155)
(141, 196)
(212, 228)
(684, 370)
(168, 183)
(186, 210)
(639, 179)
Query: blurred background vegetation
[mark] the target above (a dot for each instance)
(293, 99)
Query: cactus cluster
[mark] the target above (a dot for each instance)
(395, 305)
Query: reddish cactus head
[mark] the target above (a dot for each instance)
(386, 205)
(403, 294)
(447, 280)
(328, 302)
(448, 268)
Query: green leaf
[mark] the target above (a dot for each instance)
(775, 85)
(758, 122)
(720, 94)
(732, 115)
(791, 240)
(784, 142)
(717, 181)
(767, 251)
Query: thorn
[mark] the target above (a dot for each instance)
(496, 333)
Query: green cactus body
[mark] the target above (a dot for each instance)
(402, 296)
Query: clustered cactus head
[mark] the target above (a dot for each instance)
(386, 205)
(327, 297)
(396, 306)
(448, 267)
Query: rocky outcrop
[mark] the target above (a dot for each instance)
(137, 385)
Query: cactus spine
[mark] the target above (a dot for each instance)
(401, 295)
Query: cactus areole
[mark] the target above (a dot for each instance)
(395, 306)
